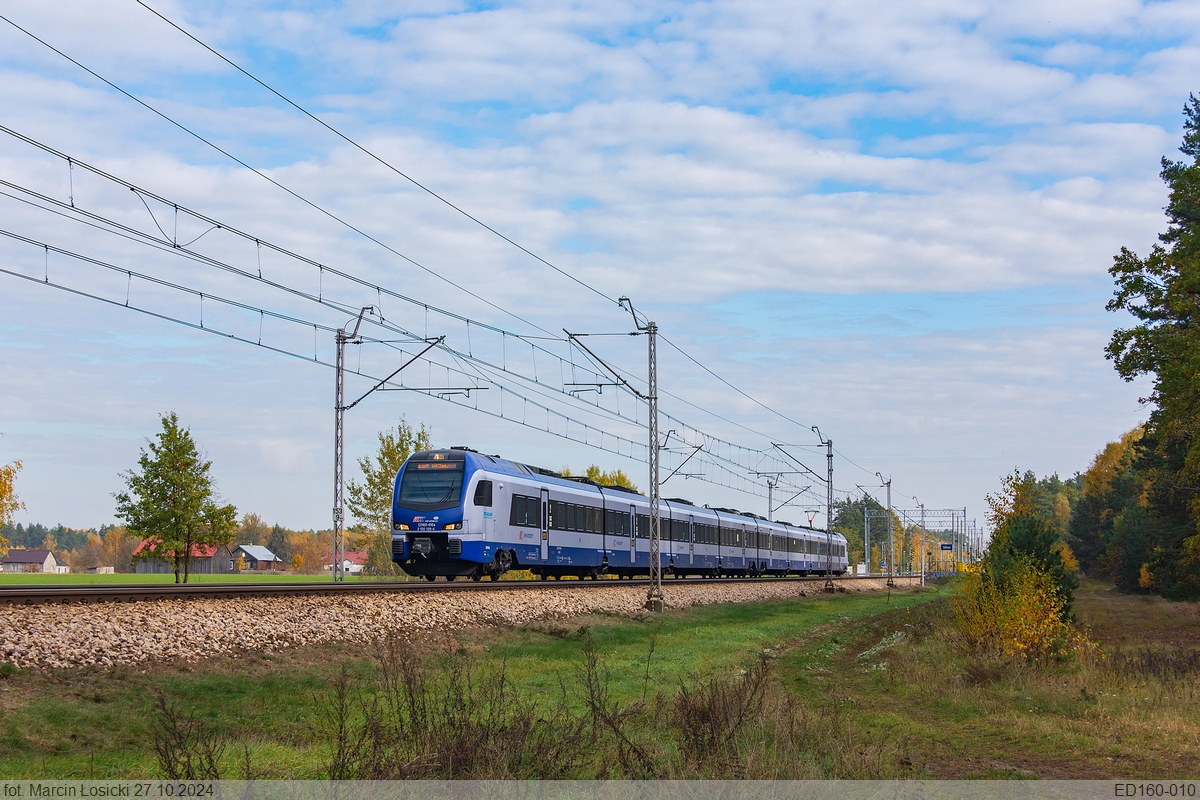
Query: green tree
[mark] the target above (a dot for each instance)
(170, 499)
(371, 501)
(1025, 534)
(279, 544)
(1162, 292)
(615, 477)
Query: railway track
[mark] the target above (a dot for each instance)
(133, 593)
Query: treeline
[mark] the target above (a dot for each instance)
(1127, 518)
(30, 537)
(112, 546)
(1134, 519)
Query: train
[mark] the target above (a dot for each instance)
(457, 513)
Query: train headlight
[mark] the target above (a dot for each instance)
(400, 526)
(452, 526)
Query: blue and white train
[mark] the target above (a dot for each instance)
(461, 513)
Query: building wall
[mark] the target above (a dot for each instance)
(218, 564)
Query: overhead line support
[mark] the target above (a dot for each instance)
(340, 339)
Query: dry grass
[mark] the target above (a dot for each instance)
(1130, 708)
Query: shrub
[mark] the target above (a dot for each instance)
(1019, 618)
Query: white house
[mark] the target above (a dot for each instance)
(30, 561)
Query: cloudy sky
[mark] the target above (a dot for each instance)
(892, 221)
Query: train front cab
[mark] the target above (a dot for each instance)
(440, 512)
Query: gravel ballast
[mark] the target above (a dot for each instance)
(53, 636)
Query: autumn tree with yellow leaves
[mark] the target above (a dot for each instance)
(9, 504)
(1019, 605)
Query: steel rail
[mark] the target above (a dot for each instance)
(121, 593)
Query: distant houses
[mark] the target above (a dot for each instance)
(32, 561)
(257, 557)
(206, 559)
(353, 563)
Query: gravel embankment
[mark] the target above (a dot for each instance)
(56, 636)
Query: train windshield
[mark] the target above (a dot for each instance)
(431, 485)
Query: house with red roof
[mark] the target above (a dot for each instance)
(353, 564)
(205, 559)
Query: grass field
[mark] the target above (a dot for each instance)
(861, 685)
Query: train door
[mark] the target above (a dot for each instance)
(545, 524)
(632, 535)
(691, 541)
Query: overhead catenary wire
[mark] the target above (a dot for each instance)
(387, 164)
(174, 237)
(711, 443)
(316, 206)
(137, 235)
(371, 154)
(357, 230)
(616, 443)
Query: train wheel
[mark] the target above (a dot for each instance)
(476, 576)
(451, 577)
(501, 564)
(431, 578)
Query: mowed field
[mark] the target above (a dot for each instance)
(864, 685)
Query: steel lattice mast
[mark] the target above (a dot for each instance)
(654, 596)
(340, 339)
(339, 448)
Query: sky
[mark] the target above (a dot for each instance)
(889, 221)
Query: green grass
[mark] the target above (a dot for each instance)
(869, 671)
(56, 722)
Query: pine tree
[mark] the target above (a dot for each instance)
(1162, 292)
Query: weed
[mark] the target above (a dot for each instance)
(444, 718)
(187, 748)
(1178, 664)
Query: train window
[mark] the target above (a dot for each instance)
(483, 494)
(643, 526)
(524, 511)
(431, 486)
